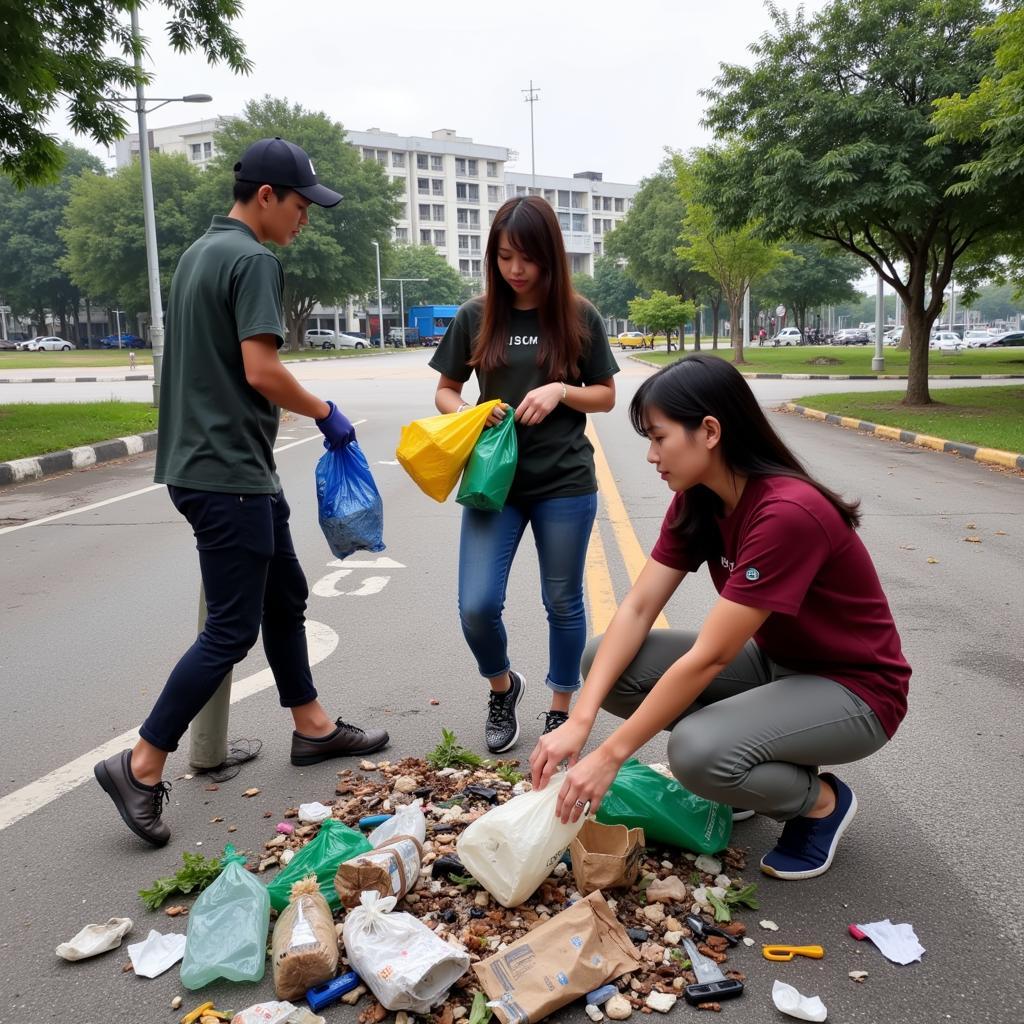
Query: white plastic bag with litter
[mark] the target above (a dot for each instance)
(405, 964)
(265, 1013)
(408, 820)
(94, 939)
(515, 846)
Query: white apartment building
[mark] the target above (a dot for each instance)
(452, 186)
(587, 208)
(193, 141)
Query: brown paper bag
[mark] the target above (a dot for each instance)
(606, 856)
(575, 952)
(392, 869)
(304, 949)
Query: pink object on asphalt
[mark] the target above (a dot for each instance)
(286, 829)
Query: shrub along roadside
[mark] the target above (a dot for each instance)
(28, 429)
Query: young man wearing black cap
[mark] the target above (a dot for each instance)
(222, 386)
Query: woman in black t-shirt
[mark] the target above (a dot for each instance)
(541, 349)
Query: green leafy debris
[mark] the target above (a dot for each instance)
(197, 873)
(449, 754)
(480, 1012)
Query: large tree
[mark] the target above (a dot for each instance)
(442, 286)
(816, 275)
(58, 49)
(649, 238)
(830, 133)
(612, 288)
(105, 235)
(32, 278)
(333, 258)
(735, 259)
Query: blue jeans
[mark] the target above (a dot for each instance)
(252, 579)
(561, 530)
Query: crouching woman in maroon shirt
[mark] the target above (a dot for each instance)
(797, 664)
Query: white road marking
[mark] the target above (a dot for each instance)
(321, 640)
(382, 462)
(366, 563)
(132, 494)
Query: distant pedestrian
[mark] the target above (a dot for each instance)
(542, 349)
(131, 359)
(222, 387)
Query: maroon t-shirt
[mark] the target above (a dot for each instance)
(788, 550)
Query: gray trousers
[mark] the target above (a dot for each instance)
(755, 736)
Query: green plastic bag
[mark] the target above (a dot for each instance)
(666, 811)
(491, 467)
(227, 929)
(335, 843)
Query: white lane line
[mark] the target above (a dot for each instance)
(321, 640)
(134, 494)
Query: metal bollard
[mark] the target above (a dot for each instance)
(208, 733)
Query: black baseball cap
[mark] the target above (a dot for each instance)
(276, 162)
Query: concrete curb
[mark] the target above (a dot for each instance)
(74, 380)
(19, 470)
(992, 456)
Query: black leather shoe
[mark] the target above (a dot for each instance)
(140, 805)
(345, 741)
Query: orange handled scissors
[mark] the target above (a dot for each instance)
(788, 952)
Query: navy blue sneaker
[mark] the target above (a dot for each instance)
(807, 845)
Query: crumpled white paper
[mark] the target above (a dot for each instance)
(156, 954)
(791, 1002)
(264, 1013)
(313, 813)
(94, 939)
(897, 942)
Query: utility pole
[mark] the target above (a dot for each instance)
(401, 296)
(531, 98)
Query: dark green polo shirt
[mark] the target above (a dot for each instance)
(216, 433)
(555, 458)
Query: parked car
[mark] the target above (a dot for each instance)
(121, 341)
(945, 341)
(633, 339)
(1008, 339)
(787, 336)
(49, 343)
(347, 341)
(893, 336)
(320, 337)
(978, 339)
(852, 336)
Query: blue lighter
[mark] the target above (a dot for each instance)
(331, 991)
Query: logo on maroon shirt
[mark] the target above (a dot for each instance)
(752, 574)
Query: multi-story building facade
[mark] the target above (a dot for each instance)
(194, 141)
(452, 186)
(587, 207)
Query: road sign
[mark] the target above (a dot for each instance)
(5, 309)
(780, 311)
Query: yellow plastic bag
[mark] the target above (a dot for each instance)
(434, 451)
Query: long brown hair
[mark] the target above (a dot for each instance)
(532, 228)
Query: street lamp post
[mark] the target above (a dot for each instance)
(380, 299)
(156, 308)
(117, 319)
(878, 360)
(401, 297)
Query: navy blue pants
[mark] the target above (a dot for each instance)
(252, 579)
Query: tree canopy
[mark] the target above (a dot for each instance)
(32, 277)
(662, 313)
(56, 49)
(610, 289)
(443, 286)
(830, 137)
(104, 233)
(333, 258)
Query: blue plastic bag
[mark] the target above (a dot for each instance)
(350, 510)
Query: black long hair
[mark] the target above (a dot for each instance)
(688, 390)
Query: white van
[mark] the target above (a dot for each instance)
(787, 336)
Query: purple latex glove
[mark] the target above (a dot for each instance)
(337, 429)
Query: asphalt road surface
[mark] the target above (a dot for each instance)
(99, 597)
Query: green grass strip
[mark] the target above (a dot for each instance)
(989, 417)
(28, 429)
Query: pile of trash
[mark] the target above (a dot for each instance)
(452, 891)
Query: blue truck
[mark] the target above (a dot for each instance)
(429, 323)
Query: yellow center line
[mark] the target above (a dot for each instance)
(600, 591)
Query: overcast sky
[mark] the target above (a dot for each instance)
(618, 82)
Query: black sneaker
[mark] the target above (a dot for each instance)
(552, 720)
(502, 729)
(345, 741)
